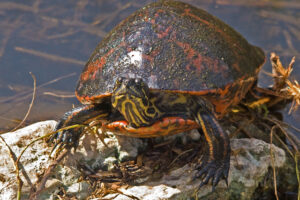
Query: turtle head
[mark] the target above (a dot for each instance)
(133, 88)
(130, 97)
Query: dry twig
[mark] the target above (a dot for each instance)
(50, 56)
(273, 163)
(59, 95)
(30, 105)
(22, 95)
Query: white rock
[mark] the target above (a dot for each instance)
(151, 192)
(247, 167)
(34, 160)
(81, 190)
(253, 160)
(250, 161)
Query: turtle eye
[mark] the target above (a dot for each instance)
(119, 80)
(138, 80)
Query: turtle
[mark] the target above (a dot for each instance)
(167, 68)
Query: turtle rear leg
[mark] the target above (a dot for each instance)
(80, 115)
(215, 164)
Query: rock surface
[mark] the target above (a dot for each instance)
(250, 162)
(35, 159)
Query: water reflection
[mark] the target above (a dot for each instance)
(53, 39)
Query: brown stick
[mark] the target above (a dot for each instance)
(35, 191)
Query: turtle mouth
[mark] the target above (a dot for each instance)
(129, 93)
(130, 88)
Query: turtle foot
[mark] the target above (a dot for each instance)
(214, 170)
(66, 138)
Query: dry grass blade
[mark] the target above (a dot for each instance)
(273, 162)
(292, 140)
(294, 155)
(50, 56)
(59, 95)
(15, 6)
(31, 104)
(189, 150)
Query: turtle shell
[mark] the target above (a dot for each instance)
(176, 47)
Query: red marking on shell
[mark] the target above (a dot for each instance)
(155, 52)
(152, 55)
(160, 11)
(92, 67)
(95, 67)
(164, 33)
(146, 17)
(200, 61)
(188, 67)
(196, 58)
(212, 26)
(148, 57)
(187, 49)
(187, 12)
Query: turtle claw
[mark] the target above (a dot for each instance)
(73, 123)
(226, 180)
(66, 138)
(212, 170)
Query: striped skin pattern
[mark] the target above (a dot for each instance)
(131, 98)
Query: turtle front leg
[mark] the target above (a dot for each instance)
(80, 115)
(216, 162)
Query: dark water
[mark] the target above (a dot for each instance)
(53, 40)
